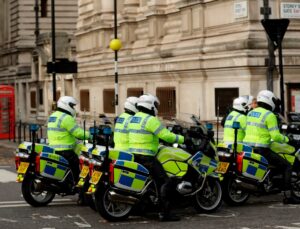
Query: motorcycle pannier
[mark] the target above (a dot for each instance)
(53, 166)
(254, 166)
(129, 175)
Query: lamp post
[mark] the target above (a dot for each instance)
(116, 45)
(53, 53)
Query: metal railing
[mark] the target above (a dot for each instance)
(22, 132)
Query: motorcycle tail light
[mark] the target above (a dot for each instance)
(111, 173)
(91, 168)
(37, 164)
(239, 161)
(17, 162)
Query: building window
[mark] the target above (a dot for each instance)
(109, 101)
(293, 92)
(137, 92)
(33, 99)
(43, 8)
(41, 97)
(85, 100)
(167, 98)
(224, 98)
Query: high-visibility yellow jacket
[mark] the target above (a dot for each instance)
(234, 116)
(144, 134)
(121, 131)
(63, 131)
(262, 127)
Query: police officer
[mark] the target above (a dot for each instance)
(238, 114)
(145, 130)
(63, 131)
(121, 131)
(261, 127)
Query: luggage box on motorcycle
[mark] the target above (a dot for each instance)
(53, 166)
(254, 165)
(129, 175)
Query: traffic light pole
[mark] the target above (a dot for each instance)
(53, 53)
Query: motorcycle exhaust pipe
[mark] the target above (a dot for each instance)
(115, 197)
(245, 186)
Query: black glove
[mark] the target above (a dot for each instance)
(188, 141)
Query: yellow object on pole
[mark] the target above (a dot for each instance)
(115, 44)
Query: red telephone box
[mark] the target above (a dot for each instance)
(7, 112)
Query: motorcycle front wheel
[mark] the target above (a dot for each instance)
(111, 211)
(209, 198)
(32, 195)
(232, 195)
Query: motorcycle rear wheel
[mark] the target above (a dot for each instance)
(209, 199)
(107, 209)
(232, 195)
(33, 197)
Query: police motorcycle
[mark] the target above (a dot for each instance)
(245, 172)
(43, 173)
(119, 184)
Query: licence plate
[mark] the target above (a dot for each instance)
(23, 167)
(96, 177)
(296, 136)
(84, 171)
(222, 167)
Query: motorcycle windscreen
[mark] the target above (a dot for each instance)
(130, 175)
(53, 166)
(254, 166)
(203, 163)
(173, 161)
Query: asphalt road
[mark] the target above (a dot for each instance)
(63, 213)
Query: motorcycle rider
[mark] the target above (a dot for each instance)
(145, 130)
(63, 131)
(261, 127)
(121, 131)
(238, 114)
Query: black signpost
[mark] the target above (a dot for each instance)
(276, 29)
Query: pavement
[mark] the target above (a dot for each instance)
(7, 151)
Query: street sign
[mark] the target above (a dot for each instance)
(62, 66)
(275, 29)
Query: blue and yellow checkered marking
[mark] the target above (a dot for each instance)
(254, 166)
(49, 167)
(202, 163)
(130, 175)
(242, 148)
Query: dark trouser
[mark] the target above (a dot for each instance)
(165, 185)
(73, 160)
(278, 161)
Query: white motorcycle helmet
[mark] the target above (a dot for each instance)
(240, 104)
(67, 103)
(267, 97)
(250, 100)
(150, 102)
(130, 104)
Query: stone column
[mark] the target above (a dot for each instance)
(130, 9)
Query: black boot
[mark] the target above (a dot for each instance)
(289, 199)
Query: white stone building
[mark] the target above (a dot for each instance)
(193, 54)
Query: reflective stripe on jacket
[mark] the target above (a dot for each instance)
(63, 131)
(261, 128)
(234, 116)
(144, 134)
(121, 131)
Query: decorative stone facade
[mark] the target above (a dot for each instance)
(194, 46)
